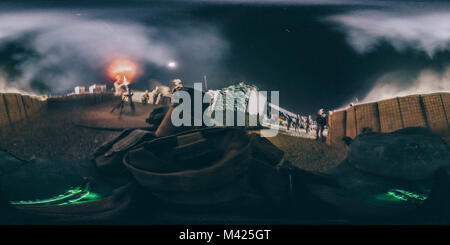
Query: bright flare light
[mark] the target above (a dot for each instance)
(172, 65)
(122, 68)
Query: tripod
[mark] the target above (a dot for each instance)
(121, 104)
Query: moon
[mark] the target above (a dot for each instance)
(172, 65)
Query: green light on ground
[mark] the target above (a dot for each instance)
(68, 194)
(413, 195)
(399, 195)
(73, 196)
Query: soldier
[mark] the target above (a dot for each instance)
(155, 93)
(176, 85)
(289, 122)
(308, 123)
(145, 97)
(321, 121)
(297, 122)
(119, 87)
(125, 94)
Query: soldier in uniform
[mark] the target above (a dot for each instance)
(125, 93)
(176, 85)
(145, 97)
(321, 121)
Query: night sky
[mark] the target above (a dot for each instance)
(316, 53)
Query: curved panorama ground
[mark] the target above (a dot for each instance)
(61, 133)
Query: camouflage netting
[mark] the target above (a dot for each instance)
(240, 104)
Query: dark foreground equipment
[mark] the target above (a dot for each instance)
(48, 191)
(403, 175)
(227, 176)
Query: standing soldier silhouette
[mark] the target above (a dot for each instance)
(321, 121)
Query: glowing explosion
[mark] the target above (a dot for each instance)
(123, 70)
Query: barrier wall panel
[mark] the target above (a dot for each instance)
(434, 111)
(37, 105)
(43, 104)
(390, 118)
(430, 110)
(3, 113)
(28, 103)
(98, 98)
(12, 107)
(34, 105)
(337, 127)
(88, 99)
(93, 99)
(351, 123)
(22, 111)
(446, 102)
(367, 117)
(411, 111)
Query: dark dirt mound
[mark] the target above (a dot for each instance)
(411, 153)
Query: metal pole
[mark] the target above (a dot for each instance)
(206, 82)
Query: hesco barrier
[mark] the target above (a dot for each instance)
(81, 99)
(17, 107)
(427, 110)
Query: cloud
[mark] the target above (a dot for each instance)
(398, 84)
(288, 2)
(67, 49)
(427, 30)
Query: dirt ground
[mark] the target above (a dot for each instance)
(64, 133)
(74, 133)
(309, 154)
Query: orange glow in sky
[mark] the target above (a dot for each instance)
(123, 68)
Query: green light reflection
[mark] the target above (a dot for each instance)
(399, 195)
(76, 195)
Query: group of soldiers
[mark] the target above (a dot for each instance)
(154, 97)
(159, 92)
(321, 121)
(159, 95)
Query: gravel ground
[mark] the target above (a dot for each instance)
(56, 133)
(309, 154)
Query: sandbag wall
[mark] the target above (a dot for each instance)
(428, 110)
(81, 99)
(17, 107)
